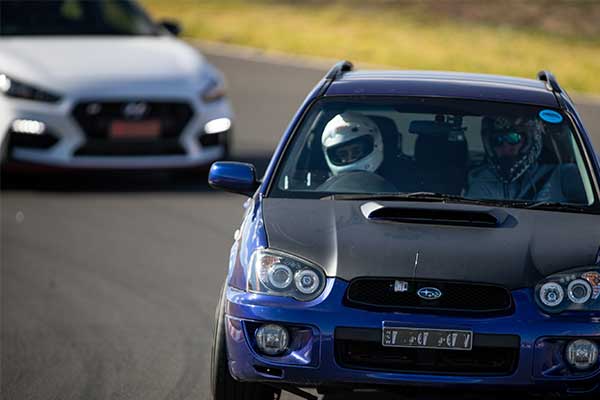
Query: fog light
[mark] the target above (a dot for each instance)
(217, 125)
(28, 126)
(272, 339)
(582, 354)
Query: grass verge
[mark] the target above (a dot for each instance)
(394, 34)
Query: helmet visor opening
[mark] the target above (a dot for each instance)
(351, 151)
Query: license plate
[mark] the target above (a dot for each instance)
(135, 129)
(441, 339)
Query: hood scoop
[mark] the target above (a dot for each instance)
(447, 214)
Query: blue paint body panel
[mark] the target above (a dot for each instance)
(326, 313)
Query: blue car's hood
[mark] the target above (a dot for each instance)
(526, 246)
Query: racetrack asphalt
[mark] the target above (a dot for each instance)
(109, 281)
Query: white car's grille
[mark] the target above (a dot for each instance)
(95, 118)
(98, 119)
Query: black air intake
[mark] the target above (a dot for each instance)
(492, 355)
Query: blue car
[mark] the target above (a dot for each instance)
(416, 232)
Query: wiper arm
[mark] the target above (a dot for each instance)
(443, 197)
(383, 196)
(433, 196)
(555, 205)
(414, 196)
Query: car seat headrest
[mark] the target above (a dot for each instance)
(430, 128)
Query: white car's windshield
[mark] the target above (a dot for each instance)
(472, 149)
(73, 17)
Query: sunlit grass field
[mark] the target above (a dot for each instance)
(390, 34)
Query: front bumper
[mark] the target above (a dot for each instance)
(319, 367)
(67, 144)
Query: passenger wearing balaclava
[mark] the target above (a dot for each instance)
(512, 170)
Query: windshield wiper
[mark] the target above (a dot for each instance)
(557, 206)
(414, 196)
(450, 198)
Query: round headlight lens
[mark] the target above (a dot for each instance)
(579, 291)
(272, 339)
(280, 276)
(307, 281)
(552, 294)
(277, 273)
(582, 354)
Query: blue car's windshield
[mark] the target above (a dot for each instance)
(73, 17)
(473, 149)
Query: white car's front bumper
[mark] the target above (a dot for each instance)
(70, 146)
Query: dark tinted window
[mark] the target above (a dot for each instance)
(73, 17)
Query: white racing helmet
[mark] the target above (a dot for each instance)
(352, 142)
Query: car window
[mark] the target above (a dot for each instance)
(73, 17)
(475, 149)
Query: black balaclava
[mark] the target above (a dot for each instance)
(509, 169)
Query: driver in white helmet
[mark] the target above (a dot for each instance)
(352, 143)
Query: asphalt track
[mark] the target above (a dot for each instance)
(109, 282)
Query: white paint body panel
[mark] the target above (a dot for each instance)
(117, 68)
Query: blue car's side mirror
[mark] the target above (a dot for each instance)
(233, 177)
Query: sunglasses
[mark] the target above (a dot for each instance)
(511, 138)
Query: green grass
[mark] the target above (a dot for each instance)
(399, 36)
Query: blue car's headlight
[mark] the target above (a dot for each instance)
(575, 290)
(13, 88)
(276, 273)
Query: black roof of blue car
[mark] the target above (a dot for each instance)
(443, 84)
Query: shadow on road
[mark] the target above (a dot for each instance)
(417, 394)
(185, 181)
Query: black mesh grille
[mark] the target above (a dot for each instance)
(456, 296)
(130, 148)
(491, 355)
(214, 139)
(95, 117)
(43, 141)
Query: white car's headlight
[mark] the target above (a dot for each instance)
(13, 88)
(577, 289)
(214, 90)
(277, 273)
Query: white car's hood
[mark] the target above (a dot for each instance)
(103, 65)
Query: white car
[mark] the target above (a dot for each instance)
(97, 84)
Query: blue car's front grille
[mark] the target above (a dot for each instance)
(402, 295)
(362, 349)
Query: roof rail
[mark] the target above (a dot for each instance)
(339, 69)
(550, 80)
